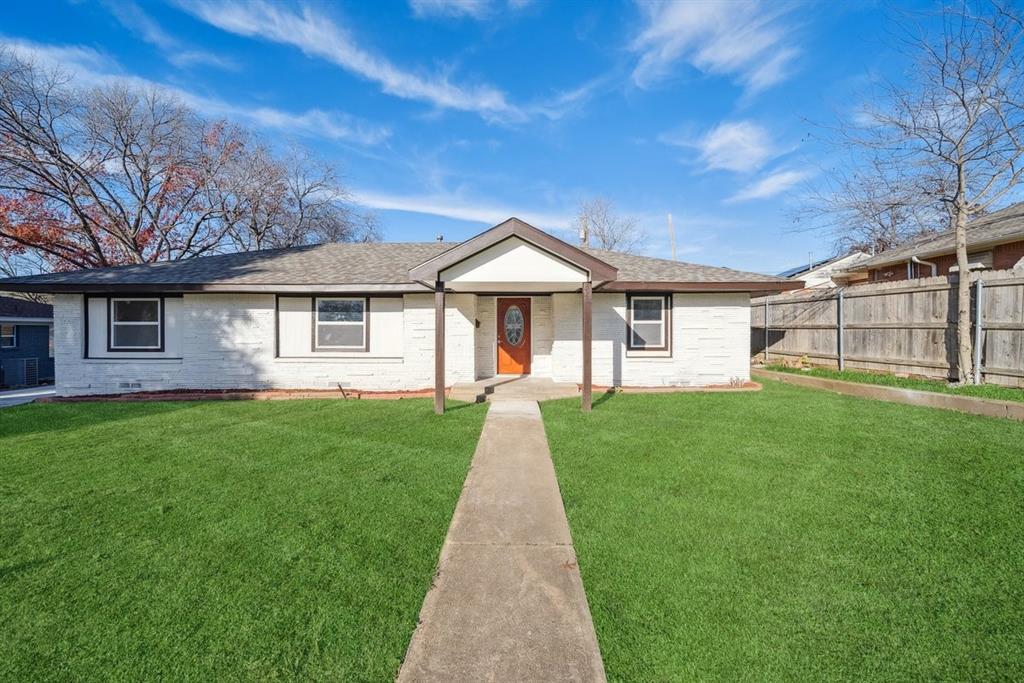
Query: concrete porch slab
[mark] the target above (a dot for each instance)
(526, 388)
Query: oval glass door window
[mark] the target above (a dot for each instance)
(514, 325)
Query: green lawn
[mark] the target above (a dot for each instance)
(794, 534)
(977, 390)
(221, 540)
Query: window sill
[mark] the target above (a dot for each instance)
(132, 359)
(649, 355)
(324, 356)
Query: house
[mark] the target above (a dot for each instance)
(26, 350)
(388, 316)
(830, 272)
(994, 241)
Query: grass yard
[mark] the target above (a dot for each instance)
(222, 540)
(794, 534)
(976, 390)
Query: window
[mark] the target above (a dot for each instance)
(340, 324)
(136, 325)
(50, 341)
(8, 336)
(981, 260)
(648, 327)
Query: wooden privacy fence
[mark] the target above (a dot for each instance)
(900, 327)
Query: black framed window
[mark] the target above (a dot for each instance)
(136, 324)
(649, 322)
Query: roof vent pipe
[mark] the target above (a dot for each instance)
(935, 268)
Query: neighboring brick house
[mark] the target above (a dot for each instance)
(510, 301)
(995, 241)
(26, 353)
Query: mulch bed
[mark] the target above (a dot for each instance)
(240, 395)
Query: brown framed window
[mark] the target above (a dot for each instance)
(649, 322)
(340, 324)
(8, 336)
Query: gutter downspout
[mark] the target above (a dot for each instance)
(920, 262)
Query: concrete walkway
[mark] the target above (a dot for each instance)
(507, 603)
(16, 397)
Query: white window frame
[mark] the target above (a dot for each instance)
(111, 346)
(364, 323)
(665, 305)
(13, 336)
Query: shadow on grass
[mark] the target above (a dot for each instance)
(13, 570)
(33, 418)
(605, 397)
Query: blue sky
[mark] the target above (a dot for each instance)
(447, 116)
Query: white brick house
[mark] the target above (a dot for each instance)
(514, 299)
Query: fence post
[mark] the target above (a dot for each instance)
(766, 330)
(839, 330)
(978, 327)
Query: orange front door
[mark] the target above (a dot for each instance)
(514, 336)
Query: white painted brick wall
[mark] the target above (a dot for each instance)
(228, 342)
(485, 360)
(710, 342)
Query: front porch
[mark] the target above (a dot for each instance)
(509, 267)
(512, 388)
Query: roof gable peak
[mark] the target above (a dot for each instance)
(597, 269)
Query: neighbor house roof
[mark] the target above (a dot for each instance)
(1005, 225)
(807, 267)
(371, 266)
(13, 309)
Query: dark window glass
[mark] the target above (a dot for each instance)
(340, 310)
(647, 309)
(137, 336)
(136, 311)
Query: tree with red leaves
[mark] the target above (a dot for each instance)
(119, 175)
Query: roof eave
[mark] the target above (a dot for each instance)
(225, 288)
(932, 253)
(690, 286)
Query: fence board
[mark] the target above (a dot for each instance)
(902, 327)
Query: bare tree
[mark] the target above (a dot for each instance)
(953, 132)
(271, 201)
(870, 207)
(120, 174)
(600, 226)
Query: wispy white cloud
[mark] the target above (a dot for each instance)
(461, 9)
(769, 186)
(476, 9)
(738, 146)
(318, 35)
(462, 208)
(136, 20)
(91, 68)
(749, 41)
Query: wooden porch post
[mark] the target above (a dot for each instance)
(587, 335)
(439, 347)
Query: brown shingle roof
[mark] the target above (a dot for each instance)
(1005, 225)
(382, 264)
(634, 268)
